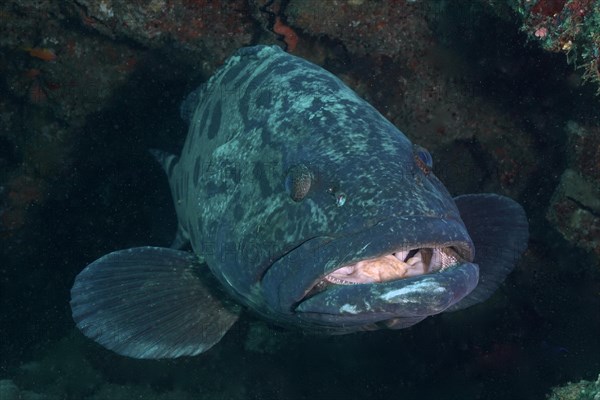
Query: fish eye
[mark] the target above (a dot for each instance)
(423, 159)
(298, 182)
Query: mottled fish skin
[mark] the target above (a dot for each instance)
(310, 209)
(263, 114)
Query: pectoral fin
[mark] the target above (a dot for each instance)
(499, 229)
(150, 302)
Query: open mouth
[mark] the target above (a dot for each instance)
(398, 265)
(317, 286)
(396, 289)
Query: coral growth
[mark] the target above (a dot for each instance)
(565, 26)
(219, 27)
(582, 390)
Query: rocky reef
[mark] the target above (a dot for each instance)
(501, 92)
(582, 390)
(570, 27)
(575, 206)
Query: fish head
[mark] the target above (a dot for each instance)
(333, 225)
(334, 220)
(373, 237)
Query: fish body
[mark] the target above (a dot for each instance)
(309, 208)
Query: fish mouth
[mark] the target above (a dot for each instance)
(392, 275)
(394, 290)
(396, 265)
(395, 272)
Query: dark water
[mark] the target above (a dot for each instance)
(541, 329)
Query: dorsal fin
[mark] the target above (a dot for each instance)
(167, 160)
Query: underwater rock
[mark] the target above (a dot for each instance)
(54, 77)
(582, 390)
(575, 206)
(62, 369)
(216, 27)
(567, 26)
(10, 391)
(261, 339)
(366, 27)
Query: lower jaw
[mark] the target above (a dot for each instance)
(393, 304)
(285, 284)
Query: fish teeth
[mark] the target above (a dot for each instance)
(397, 265)
(443, 258)
(401, 255)
(339, 281)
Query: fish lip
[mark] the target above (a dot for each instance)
(289, 279)
(343, 308)
(399, 264)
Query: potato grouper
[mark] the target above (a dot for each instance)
(309, 208)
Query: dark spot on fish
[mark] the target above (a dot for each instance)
(215, 120)
(316, 105)
(282, 68)
(244, 107)
(264, 100)
(202, 121)
(256, 84)
(265, 135)
(197, 168)
(261, 102)
(262, 179)
(233, 73)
